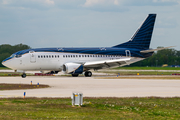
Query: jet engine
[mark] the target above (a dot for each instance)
(73, 68)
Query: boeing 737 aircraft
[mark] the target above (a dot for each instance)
(76, 61)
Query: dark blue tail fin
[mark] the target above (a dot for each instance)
(142, 37)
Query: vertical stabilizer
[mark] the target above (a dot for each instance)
(142, 37)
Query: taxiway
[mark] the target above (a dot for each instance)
(92, 87)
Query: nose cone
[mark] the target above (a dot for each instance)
(8, 62)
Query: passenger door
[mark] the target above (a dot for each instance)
(32, 57)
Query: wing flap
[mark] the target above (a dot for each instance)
(106, 63)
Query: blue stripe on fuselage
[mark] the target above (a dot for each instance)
(102, 51)
(7, 59)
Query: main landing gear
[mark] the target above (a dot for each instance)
(75, 75)
(88, 74)
(23, 75)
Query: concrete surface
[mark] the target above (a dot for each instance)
(92, 87)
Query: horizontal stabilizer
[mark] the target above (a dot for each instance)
(148, 51)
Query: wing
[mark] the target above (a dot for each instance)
(106, 63)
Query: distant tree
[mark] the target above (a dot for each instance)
(6, 50)
(166, 56)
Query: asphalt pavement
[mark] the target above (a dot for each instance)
(92, 87)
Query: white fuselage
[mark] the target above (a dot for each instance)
(41, 61)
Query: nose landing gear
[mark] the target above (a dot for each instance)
(23, 75)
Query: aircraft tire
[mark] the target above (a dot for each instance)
(75, 75)
(88, 74)
(23, 75)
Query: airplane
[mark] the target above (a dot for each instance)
(77, 61)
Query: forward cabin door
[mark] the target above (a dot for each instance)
(32, 57)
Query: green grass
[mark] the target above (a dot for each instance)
(4, 68)
(148, 68)
(93, 108)
(13, 74)
(140, 72)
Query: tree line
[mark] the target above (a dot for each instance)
(166, 56)
(7, 50)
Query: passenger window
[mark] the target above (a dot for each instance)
(58, 56)
(52, 56)
(49, 56)
(68, 55)
(38, 56)
(76, 55)
(79, 55)
(41, 56)
(73, 55)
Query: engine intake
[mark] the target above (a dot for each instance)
(73, 68)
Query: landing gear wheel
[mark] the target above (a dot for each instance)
(75, 75)
(23, 75)
(88, 74)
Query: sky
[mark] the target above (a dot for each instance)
(86, 23)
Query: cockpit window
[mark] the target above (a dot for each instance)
(31, 51)
(17, 56)
(13, 55)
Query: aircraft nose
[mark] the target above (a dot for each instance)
(4, 62)
(7, 62)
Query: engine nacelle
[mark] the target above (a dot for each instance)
(73, 68)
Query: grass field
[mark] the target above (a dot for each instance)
(13, 74)
(4, 68)
(148, 68)
(93, 108)
(135, 72)
(143, 77)
(5, 86)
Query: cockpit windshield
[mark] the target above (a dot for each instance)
(14, 55)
